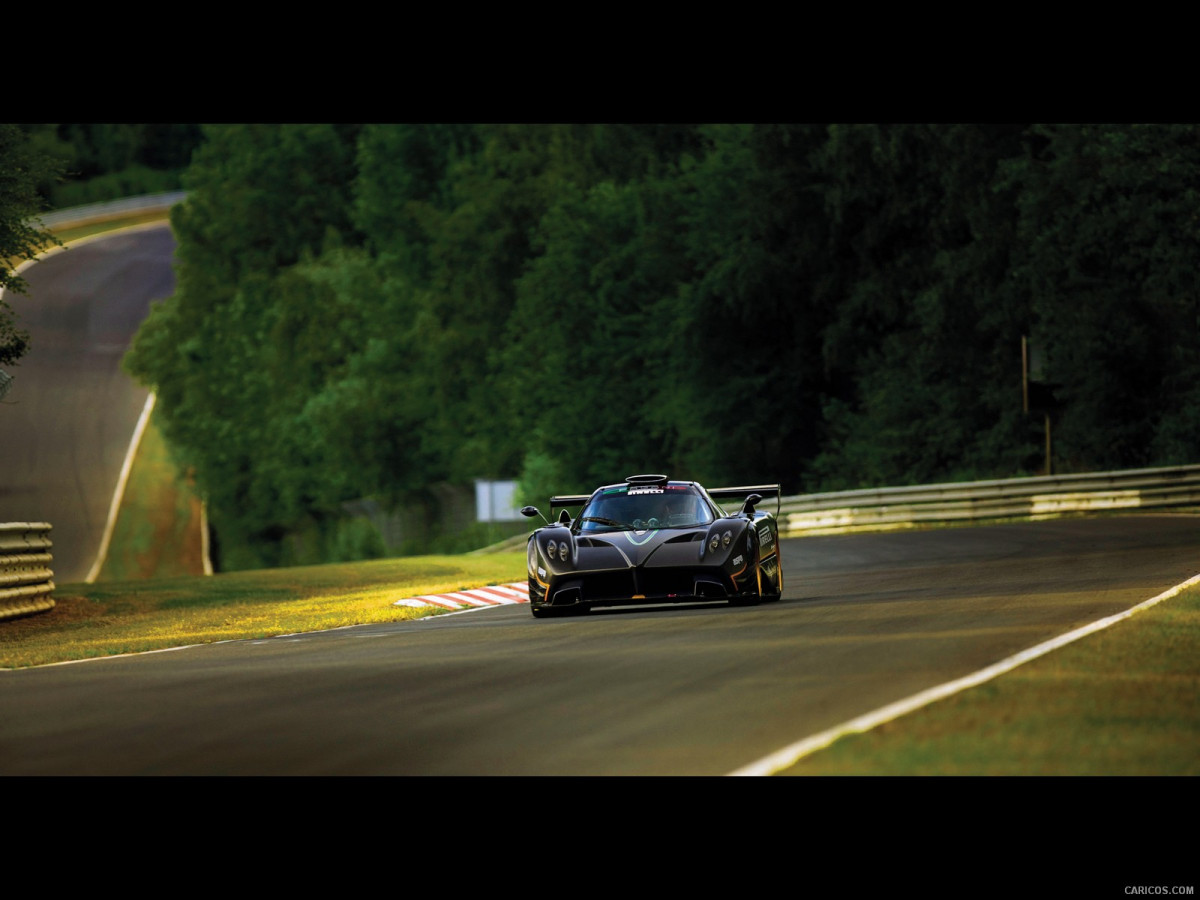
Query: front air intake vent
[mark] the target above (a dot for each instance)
(591, 542)
(706, 587)
(686, 538)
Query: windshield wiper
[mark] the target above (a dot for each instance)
(603, 521)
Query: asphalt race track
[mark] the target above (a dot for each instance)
(696, 690)
(66, 424)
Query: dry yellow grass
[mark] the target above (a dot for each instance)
(106, 618)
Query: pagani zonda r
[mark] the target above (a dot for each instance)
(652, 540)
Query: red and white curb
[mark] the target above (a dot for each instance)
(495, 595)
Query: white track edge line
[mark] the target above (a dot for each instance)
(119, 493)
(793, 753)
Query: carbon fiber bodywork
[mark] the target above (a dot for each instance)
(652, 541)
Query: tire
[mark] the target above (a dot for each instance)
(772, 598)
(749, 599)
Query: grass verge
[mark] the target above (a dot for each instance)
(157, 531)
(107, 618)
(1121, 701)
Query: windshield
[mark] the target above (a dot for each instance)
(639, 508)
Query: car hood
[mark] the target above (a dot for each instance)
(654, 547)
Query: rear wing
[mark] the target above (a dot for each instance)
(569, 500)
(733, 493)
(727, 493)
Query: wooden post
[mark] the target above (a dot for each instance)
(1025, 374)
(1049, 469)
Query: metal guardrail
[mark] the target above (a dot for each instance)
(110, 209)
(26, 579)
(981, 501)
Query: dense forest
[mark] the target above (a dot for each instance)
(365, 311)
(93, 162)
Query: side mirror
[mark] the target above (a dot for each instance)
(748, 506)
(531, 511)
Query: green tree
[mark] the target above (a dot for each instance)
(751, 304)
(22, 169)
(923, 348)
(237, 352)
(451, 215)
(591, 351)
(106, 161)
(671, 318)
(1109, 233)
(597, 346)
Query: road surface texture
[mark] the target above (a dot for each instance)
(702, 689)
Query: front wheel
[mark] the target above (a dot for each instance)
(778, 592)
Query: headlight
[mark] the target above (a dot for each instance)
(550, 550)
(726, 538)
(562, 551)
(532, 557)
(713, 543)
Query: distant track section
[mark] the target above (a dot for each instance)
(70, 411)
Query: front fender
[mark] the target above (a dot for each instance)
(724, 552)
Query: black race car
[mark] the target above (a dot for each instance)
(652, 540)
